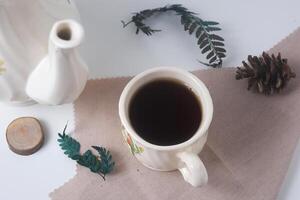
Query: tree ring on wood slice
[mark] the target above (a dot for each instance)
(24, 135)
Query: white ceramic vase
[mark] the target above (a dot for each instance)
(24, 32)
(61, 76)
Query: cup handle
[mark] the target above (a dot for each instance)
(193, 171)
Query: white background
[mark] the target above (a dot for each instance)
(249, 27)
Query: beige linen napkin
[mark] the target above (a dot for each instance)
(250, 143)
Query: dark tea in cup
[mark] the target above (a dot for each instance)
(165, 112)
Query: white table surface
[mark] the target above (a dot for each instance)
(249, 27)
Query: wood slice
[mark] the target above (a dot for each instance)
(24, 135)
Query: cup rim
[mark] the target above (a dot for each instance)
(206, 104)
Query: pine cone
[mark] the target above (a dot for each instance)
(267, 74)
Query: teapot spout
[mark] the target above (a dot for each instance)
(61, 76)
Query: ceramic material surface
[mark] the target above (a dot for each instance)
(61, 76)
(24, 32)
(166, 158)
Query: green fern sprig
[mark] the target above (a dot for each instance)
(102, 164)
(69, 145)
(209, 42)
(106, 158)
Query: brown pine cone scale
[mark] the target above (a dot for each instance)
(266, 74)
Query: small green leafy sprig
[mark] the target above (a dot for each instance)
(209, 42)
(102, 164)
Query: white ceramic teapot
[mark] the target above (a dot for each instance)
(34, 65)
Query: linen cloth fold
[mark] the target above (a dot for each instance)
(250, 143)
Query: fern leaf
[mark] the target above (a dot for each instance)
(184, 19)
(213, 59)
(210, 23)
(146, 13)
(209, 29)
(106, 164)
(210, 54)
(193, 27)
(187, 25)
(199, 31)
(204, 43)
(201, 38)
(217, 43)
(221, 55)
(206, 49)
(69, 145)
(89, 160)
(203, 30)
(72, 149)
(216, 37)
(219, 49)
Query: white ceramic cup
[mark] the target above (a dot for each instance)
(183, 156)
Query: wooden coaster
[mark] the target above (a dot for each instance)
(24, 135)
